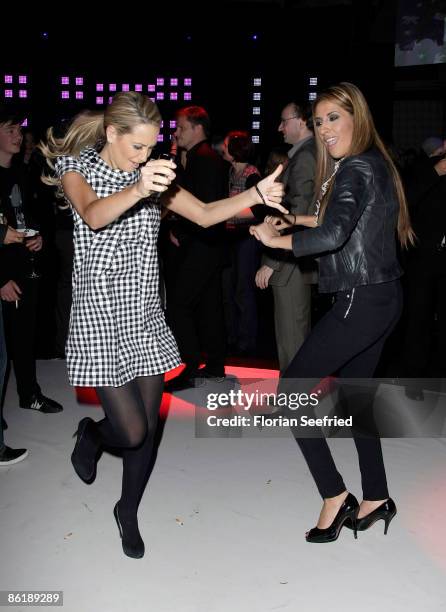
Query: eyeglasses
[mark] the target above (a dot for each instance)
(282, 120)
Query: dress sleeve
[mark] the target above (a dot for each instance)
(69, 164)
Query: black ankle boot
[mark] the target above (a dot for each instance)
(348, 510)
(132, 542)
(86, 450)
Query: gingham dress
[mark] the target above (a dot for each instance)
(117, 326)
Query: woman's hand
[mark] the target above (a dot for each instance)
(264, 232)
(280, 223)
(156, 177)
(271, 192)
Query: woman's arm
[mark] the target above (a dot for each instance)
(188, 206)
(287, 221)
(270, 236)
(156, 176)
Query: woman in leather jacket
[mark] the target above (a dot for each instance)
(361, 209)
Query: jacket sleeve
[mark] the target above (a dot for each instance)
(351, 192)
(3, 230)
(300, 184)
(298, 199)
(422, 178)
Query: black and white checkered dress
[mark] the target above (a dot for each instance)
(117, 326)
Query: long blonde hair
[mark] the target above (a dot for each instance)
(127, 110)
(365, 136)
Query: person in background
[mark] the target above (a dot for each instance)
(19, 293)
(8, 455)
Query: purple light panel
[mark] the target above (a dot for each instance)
(79, 81)
(188, 82)
(23, 79)
(23, 93)
(138, 87)
(160, 82)
(8, 78)
(187, 95)
(174, 82)
(65, 95)
(99, 100)
(173, 95)
(99, 86)
(65, 80)
(112, 87)
(150, 87)
(173, 125)
(8, 93)
(79, 95)
(125, 87)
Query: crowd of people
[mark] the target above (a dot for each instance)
(331, 211)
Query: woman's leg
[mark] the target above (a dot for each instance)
(131, 418)
(351, 330)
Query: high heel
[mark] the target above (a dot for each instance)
(348, 511)
(132, 543)
(386, 511)
(86, 450)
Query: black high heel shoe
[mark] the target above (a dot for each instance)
(348, 511)
(386, 511)
(132, 542)
(86, 450)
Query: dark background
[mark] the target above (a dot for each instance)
(213, 44)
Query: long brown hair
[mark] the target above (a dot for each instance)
(365, 136)
(127, 110)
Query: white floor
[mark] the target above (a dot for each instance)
(223, 521)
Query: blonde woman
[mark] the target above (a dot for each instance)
(118, 340)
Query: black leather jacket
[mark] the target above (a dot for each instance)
(357, 238)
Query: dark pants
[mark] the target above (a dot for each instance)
(194, 305)
(349, 340)
(240, 292)
(65, 252)
(425, 311)
(3, 363)
(20, 332)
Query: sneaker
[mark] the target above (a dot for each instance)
(40, 403)
(8, 456)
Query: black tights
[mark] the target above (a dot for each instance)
(130, 423)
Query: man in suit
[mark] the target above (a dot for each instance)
(291, 279)
(194, 300)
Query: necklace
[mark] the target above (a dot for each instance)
(324, 188)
